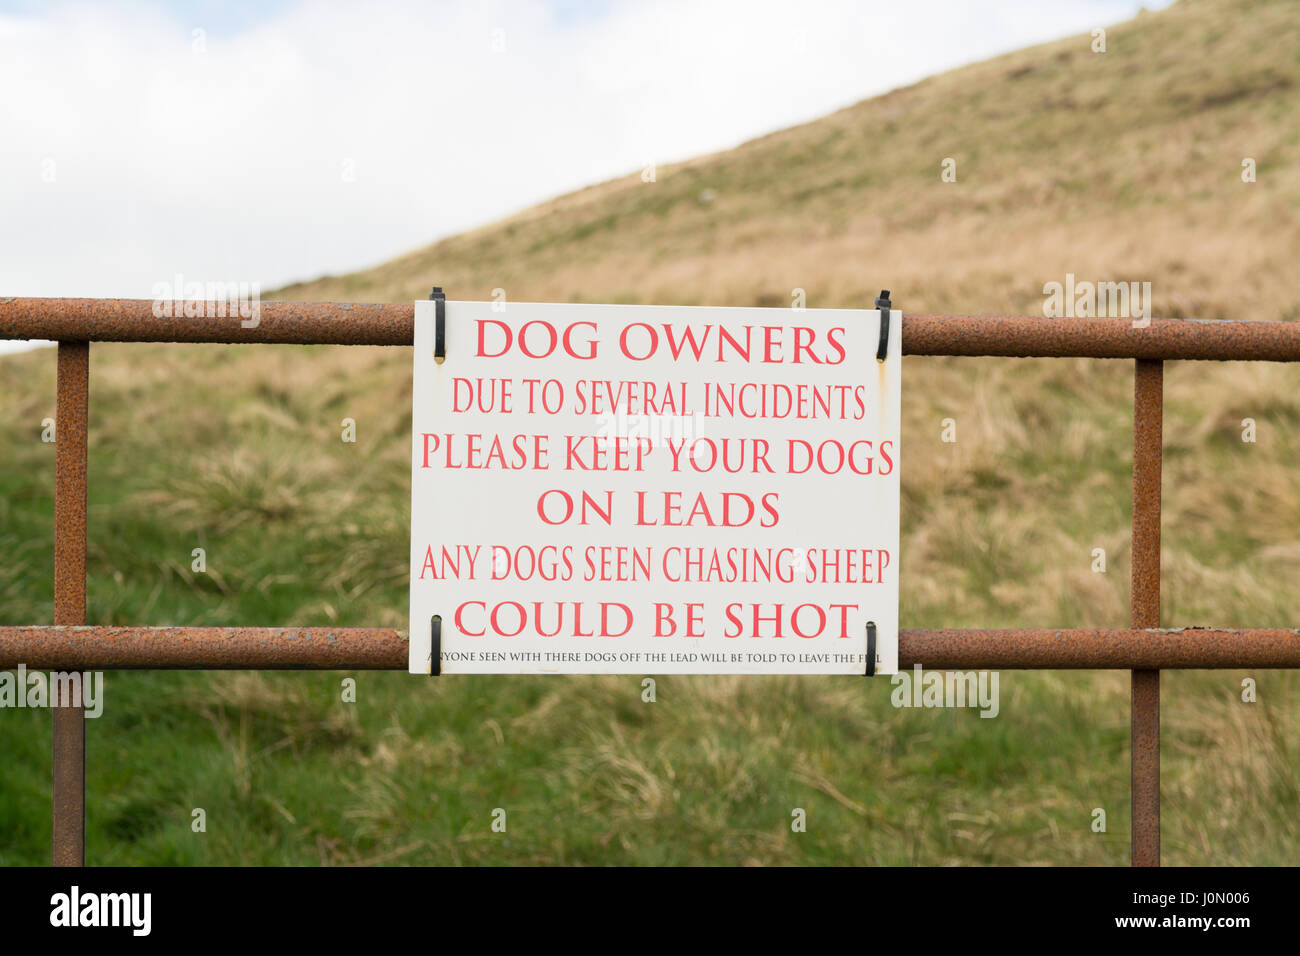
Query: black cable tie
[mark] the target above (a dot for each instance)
(440, 328)
(883, 304)
(871, 646)
(435, 652)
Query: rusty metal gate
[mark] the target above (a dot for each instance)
(1144, 649)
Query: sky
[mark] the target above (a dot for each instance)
(277, 141)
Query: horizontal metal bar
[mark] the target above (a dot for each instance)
(1189, 648)
(203, 648)
(1021, 336)
(134, 320)
(352, 648)
(340, 323)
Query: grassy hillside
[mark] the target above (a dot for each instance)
(1118, 166)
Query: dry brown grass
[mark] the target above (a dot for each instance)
(1122, 166)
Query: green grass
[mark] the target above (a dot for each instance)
(1114, 166)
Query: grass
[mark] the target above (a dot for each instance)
(1123, 165)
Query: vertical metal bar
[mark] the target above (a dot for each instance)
(1144, 689)
(68, 843)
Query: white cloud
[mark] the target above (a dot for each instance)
(229, 163)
